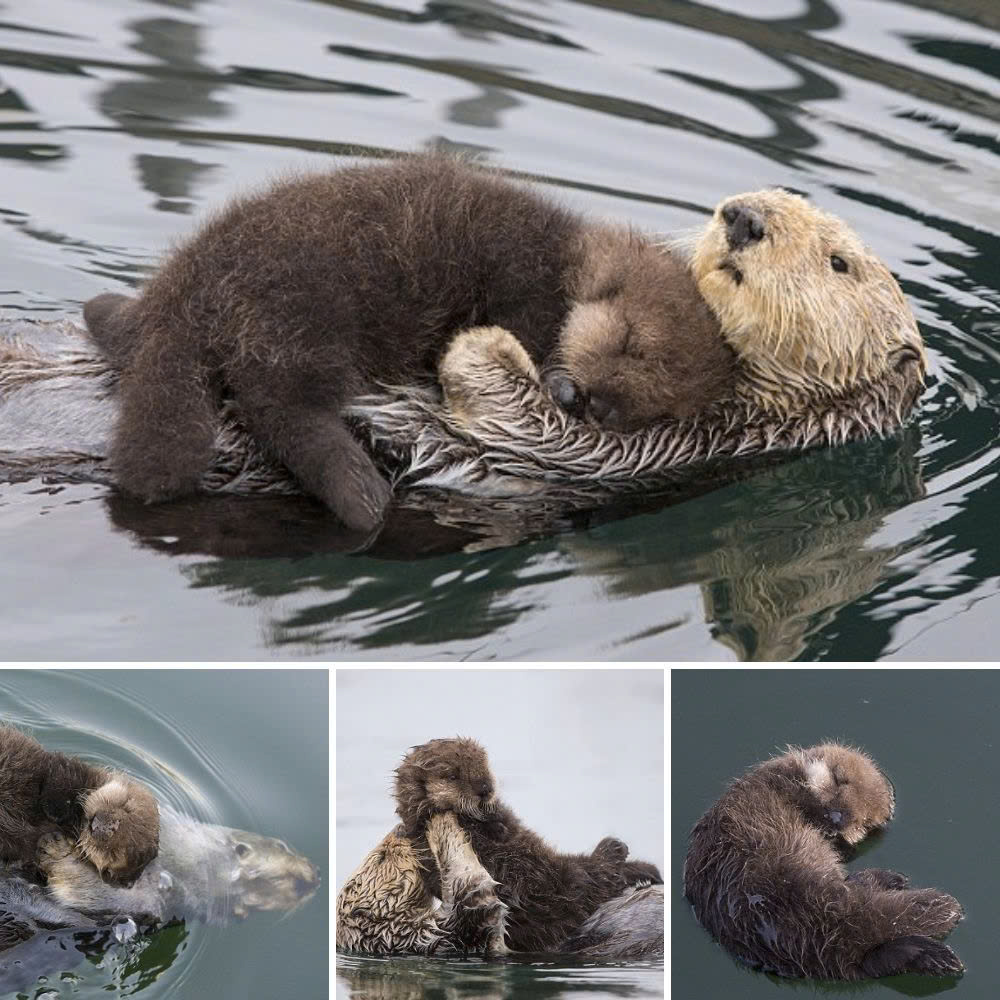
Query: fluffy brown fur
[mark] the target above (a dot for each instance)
(113, 819)
(300, 297)
(764, 876)
(549, 895)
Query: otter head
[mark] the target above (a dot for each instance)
(120, 834)
(267, 874)
(442, 776)
(848, 795)
(807, 307)
(638, 344)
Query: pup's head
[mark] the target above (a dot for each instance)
(120, 834)
(444, 775)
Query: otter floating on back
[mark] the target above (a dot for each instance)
(827, 351)
(764, 876)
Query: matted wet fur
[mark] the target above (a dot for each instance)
(388, 906)
(298, 298)
(549, 895)
(765, 878)
(112, 819)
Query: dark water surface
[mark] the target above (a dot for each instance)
(936, 735)
(122, 122)
(247, 749)
(578, 755)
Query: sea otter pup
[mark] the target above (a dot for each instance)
(296, 299)
(548, 895)
(113, 819)
(764, 876)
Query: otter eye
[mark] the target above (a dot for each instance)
(453, 775)
(838, 263)
(242, 850)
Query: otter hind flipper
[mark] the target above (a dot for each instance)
(913, 953)
(107, 323)
(878, 878)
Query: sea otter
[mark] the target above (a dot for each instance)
(202, 872)
(764, 876)
(296, 299)
(112, 819)
(549, 895)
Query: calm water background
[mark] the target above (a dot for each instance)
(245, 748)
(578, 754)
(935, 733)
(123, 121)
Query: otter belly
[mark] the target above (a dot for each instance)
(495, 432)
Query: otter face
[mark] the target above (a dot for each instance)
(638, 343)
(442, 776)
(121, 829)
(802, 301)
(852, 795)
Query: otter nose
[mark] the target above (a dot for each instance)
(836, 817)
(743, 225)
(481, 787)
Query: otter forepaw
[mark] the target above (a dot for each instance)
(878, 878)
(53, 848)
(913, 953)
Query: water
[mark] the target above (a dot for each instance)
(934, 732)
(123, 122)
(219, 745)
(578, 755)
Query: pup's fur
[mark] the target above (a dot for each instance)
(112, 818)
(764, 876)
(549, 894)
(300, 297)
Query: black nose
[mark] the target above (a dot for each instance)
(836, 817)
(743, 225)
(481, 787)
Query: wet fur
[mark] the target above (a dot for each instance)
(113, 819)
(549, 894)
(300, 297)
(764, 876)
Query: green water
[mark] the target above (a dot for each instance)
(936, 735)
(247, 749)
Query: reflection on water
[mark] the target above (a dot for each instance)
(437, 979)
(121, 124)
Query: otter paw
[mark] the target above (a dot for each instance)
(878, 878)
(611, 849)
(913, 953)
(52, 848)
(935, 912)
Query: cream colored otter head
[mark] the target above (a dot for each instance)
(441, 776)
(852, 795)
(121, 829)
(808, 308)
